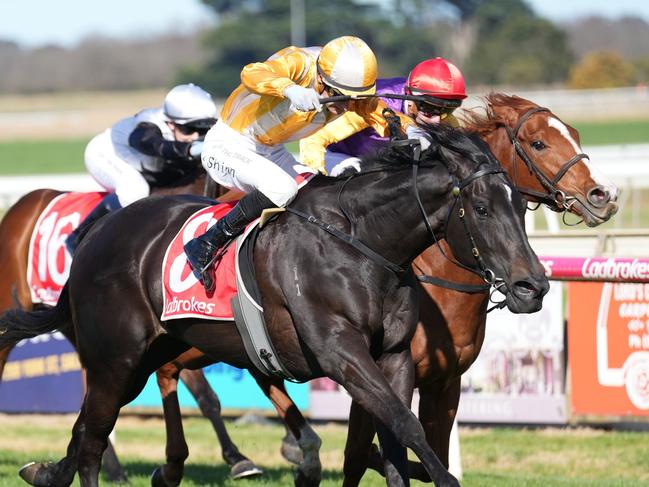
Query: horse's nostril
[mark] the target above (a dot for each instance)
(525, 290)
(598, 196)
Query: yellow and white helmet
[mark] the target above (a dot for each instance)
(348, 65)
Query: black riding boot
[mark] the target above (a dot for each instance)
(200, 250)
(109, 203)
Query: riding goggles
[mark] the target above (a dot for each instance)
(199, 126)
(431, 110)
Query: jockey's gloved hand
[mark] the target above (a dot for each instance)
(414, 132)
(303, 99)
(196, 148)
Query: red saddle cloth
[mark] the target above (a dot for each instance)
(184, 295)
(48, 264)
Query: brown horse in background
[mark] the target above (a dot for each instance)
(543, 157)
(16, 229)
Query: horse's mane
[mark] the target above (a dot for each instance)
(484, 120)
(463, 142)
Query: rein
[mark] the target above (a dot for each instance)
(485, 273)
(555, 198)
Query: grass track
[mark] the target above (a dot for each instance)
(491, 457)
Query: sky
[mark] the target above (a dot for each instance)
(32, 23)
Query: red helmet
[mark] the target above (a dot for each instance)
(437, 78)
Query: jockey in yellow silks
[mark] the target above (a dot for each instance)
(279, 101)
(439, 87)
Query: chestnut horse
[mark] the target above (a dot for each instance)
(16, 230)
(354, 326)
(543, 157)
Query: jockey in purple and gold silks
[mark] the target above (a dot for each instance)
(330, 150)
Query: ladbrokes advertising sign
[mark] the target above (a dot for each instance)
(608, 346)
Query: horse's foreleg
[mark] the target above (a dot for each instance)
(102, 404)
(62, 473)
(437, 412)
(360, 432)
(176, 452)
(398, 369)
(210, 406)
(353, 367)
(309, 472)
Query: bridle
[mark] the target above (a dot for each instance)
(487, 274)
(554, 197)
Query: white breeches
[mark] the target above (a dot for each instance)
(113, 173)
(336, 163)
(236, 161)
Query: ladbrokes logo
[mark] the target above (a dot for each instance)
(191, 305)
(615, 269)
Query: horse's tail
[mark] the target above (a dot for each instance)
(17, 324)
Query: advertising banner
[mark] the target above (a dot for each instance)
(519, 375)
(608, 346)
(42, 375)
(236, 389)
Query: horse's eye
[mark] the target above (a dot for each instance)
(538, 145)
(481, 211)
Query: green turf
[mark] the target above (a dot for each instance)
(42, 156)
(613, 132)
(503, 457)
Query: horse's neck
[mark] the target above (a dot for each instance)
(384, 211)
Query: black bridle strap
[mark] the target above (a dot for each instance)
(354, 242)
(564, 169)
(455, 286)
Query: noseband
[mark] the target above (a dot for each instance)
(555, 198)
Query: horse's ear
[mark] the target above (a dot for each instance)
(506, 115)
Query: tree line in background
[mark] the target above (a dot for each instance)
(495, 42)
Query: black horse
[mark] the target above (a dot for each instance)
(333, 309)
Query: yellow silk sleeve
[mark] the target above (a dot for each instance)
(371, 111)
(272, 77)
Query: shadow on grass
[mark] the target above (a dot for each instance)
(205, 474)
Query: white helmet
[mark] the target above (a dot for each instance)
(190, 105)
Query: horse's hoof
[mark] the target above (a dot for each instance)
(302, 480)
(158, 479)
(291, 452)
(35, 473)
(243, 469)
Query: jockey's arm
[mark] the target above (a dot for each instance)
(361, 115)
(147, 139)
(312, 148)
(272, 77)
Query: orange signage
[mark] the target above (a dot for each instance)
(608, 348)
